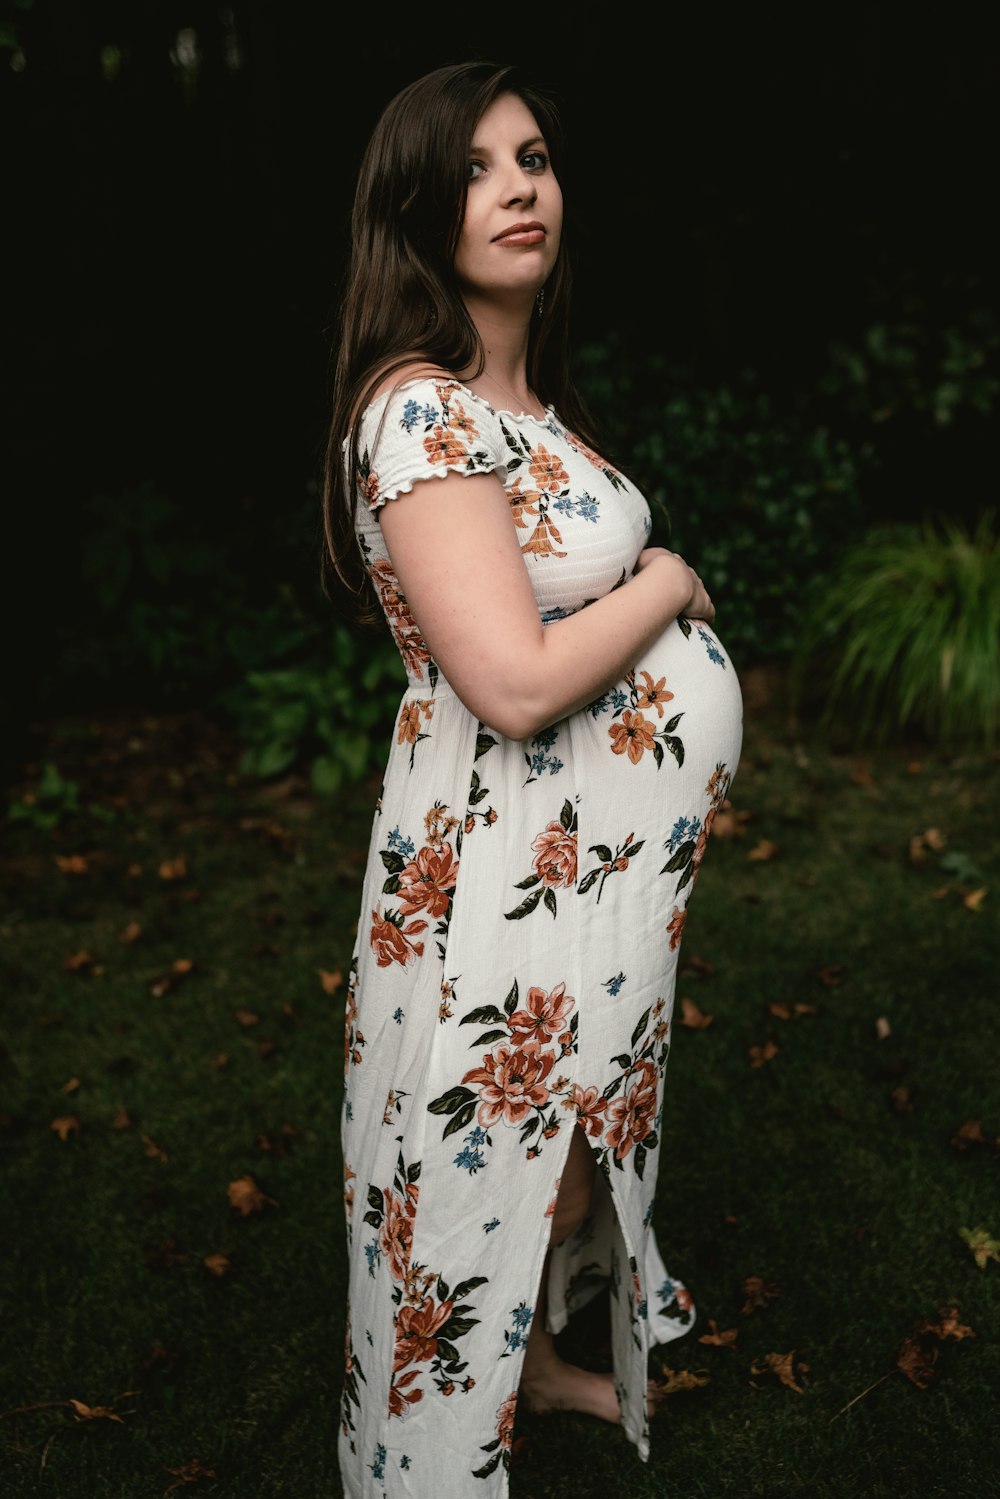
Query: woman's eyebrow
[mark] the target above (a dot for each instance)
(535, 140)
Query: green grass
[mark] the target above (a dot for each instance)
(801, 1171)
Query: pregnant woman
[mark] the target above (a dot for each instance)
(570, 727)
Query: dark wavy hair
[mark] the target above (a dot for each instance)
(401, 301)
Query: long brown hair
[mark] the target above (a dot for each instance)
(401, 301)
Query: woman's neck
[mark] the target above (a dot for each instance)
(504, 337)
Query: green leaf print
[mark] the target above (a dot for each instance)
(566, 816)
(602, 851)
(461, 1119)
(395, 863)
(511, 1002)
(587, 881)
(529, 882)
(465, 1286)
(484, 1015)
(488, 1038)
(641, 1026)
(525, 908)
(640, 1160)
(450, 1101)
(549, 901)
(484, 742)
(675, 747)
(374, 1198)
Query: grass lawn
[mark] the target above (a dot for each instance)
(171, 1065)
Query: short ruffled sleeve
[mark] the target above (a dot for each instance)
(422, 430)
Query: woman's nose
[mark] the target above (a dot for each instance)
(521, 190)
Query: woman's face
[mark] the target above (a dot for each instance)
(513, 207)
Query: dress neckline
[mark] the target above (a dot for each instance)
(515, 416)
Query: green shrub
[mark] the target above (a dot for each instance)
(332, 711)
(906, 635)
(755, 497)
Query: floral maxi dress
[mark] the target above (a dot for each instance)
(514, 975)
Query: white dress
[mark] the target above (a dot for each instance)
(514, 974)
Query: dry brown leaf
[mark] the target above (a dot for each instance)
(122, 1120)
(73, 863)
(973, 899)
(969, 1133)
(163, 1255)
(982, 1244)
(717, 1339)
(947, 1328)
(830, 975)
(862, 776)
(266, 1048)
(131, 933)
(66, 1125)
(916, 1360)
(901, 1100)
(785, 1367)
(153, 1150)
(79, 962)
(763, 851)
(730, 824)
(288, 1010)
(217, 1264)
(221, 1061)
(71, 1086)
(99, 1412)
(174, 869)
(247, 1197)
(677, 1380)
(246, 1017)
(761, 1054)
(180, 966)
(195, 1471)
(134, 871)
(882, 1028)
(692, 1017)
(331, 981)
(758, 1292)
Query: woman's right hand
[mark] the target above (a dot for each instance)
(699, 605)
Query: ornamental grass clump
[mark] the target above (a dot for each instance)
(906, 635)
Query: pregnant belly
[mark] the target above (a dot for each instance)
(669, 725)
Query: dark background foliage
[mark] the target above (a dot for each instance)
(780, 215)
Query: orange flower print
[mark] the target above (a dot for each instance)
(543, 1017)
(415, 1332)
(632, 1116)
(349, 1177)
(718, 785)
(396, 1234)
(555, 856)
(653, 695)
(675, 926)
(590, 1106)
(427, 882)
(511, 1083)
(633, 736)
(439, 823)
(547, 470)
(409, 720)
(544, 540)
(522, 504)
(400, 1398)
(505, 1420)
(593, 458)
(370, 486)
(461, 422)
(442, 446)
(393, 944)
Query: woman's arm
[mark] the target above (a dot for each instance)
(455, 551)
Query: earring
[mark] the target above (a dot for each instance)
(540, 301)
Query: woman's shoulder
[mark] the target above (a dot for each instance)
(395, 379)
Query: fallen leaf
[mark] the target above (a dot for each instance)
(758, 1292)
(830, 975)
(134, 871)
(717, 1339)
(790, 1012)
(79, 962)
(730, 824)
(901, 1100)
(130, 933)
(763, 851)
(692, 1017)
(217, 1264)
(265, 1048)
(221, 1061)
(692, 963)
(122, 1120)
(153, 1151)
(882, 1028)
(195, 1471)
(862, 776)
(761, 1054)
(163, 1255)
(246, 1017)
(72, 863)
(264, 950)
(974, 899)
(174, 869)
(66, 1125)
(99, 1412)
(331, 981)
(784, 1366)
(984, 1247)
(71, 1086)
(916, 1360)
(969, 1133)
(247, 1197)
(677, 1380)
(947, 1328)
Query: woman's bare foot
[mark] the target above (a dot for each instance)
(565, 1387)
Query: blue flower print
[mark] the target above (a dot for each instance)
(372, 1256)
(586, 507)
(556, 612)
(489, 1227)
(517, 1337)
(614, 985)
(397, 1015)
(714, 654)
(404, 1461)
(413, 413)
(378, 1466)
(683, 829)
(471, 1159)
(400, 845)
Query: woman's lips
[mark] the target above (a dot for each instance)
(521, 237)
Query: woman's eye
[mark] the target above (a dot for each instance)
(476, 168)
(534, 161)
